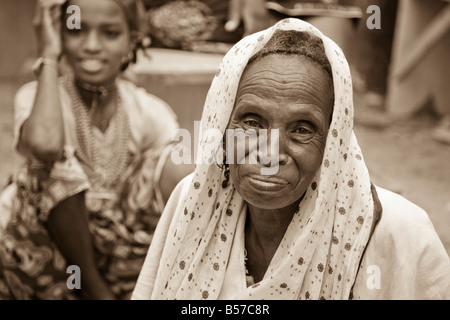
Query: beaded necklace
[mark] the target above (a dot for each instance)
(108, 171)
(103, 90)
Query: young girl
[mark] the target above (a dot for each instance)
(96, 176)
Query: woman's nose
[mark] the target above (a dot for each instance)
(92, 43)
(282, 158)
(273, 149)
(282, 152)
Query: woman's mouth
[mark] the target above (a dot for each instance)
(91, 65)
(267, 183)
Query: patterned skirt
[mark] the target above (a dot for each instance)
(122, 220)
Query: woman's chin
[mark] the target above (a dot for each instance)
(264, 199)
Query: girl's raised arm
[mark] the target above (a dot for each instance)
(42, 134)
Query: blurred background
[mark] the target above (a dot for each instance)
(401, 76)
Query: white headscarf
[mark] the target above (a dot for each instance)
(321, 250)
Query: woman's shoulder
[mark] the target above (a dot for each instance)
(404, 259)
(398, 210)
(182, 187)
(180, 192)
(176, 200)
(402, 220)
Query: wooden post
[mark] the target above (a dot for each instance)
(420, 65)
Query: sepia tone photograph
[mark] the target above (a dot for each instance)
(225, 150)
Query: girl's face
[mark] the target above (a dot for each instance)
(295, 96)
(97, 50)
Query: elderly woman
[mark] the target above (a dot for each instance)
(315, 227)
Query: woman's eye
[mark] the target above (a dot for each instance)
(302, 134)
(303, 130)
(252, 123)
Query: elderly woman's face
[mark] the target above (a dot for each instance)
(294, 95)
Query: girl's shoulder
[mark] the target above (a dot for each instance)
(144, 102)
(28, 86)
(152, 120)
(26, 92)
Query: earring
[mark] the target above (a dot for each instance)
(223, 161)
(226, 173)
(124, 63)
(127, 59)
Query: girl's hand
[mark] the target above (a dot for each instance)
(47, 24)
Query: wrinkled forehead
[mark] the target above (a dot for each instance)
(287, 78)
(340, 72)
(313, 45)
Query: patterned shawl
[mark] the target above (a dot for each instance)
(321, 250)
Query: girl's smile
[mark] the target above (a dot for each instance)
(92, 66)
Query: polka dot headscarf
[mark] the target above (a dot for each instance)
(318, 257)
